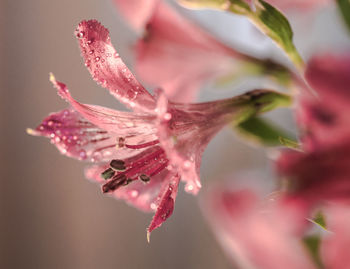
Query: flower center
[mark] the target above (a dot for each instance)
(143, 166)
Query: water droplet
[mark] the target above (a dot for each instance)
(90, 41)
(57, 139)
(91, 52)
(81, 34)
(189, 188)
(82, 154)
(134, 193)
(187, 164)
(102, 60)
(97, 58)
(75, 137)
(153, 206)
(124, 70)
(167, 116)
(116, 55)
(108, 54)
(50, 123)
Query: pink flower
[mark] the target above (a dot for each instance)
(183, 58)
(255, 232)
(322, 171)
(136, 12)
(290, 5)
(268, 233)
(140, 155)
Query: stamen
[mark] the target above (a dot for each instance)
(115, 183)
(144, 178)
(145, 145)
(118, 165)
(107, 174)
(158, 169)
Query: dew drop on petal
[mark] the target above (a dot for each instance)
(82, 154)
(91, 52)
(81, 34)
(97, 58)
(153, 206)
(134, 193)
(167, 116)
(187, 164)
(189, 188)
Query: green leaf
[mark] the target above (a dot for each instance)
(312, 243)
(261, 131)
(256, 102)
(344, 7)
(320, 220)
(289, 143)
(265, 17)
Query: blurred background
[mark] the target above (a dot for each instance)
(50, 216)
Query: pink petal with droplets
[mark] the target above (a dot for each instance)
(162, 52)
(166, 202)
(119, 122)
(108, 69)
(184, 131)
(257, 233)
(136, 12)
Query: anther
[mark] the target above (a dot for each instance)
(144, 178)
(107, 174)
(118, 165)
(115, 183)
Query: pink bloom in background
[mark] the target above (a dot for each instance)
(140, 155)
(322, 172)
(136, 12)
(268, 233)
(255, 232)
(183, 55)
(295, 5)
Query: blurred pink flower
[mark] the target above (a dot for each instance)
(268, 233)
(136, 12)
(322, 171)
(183, 58)
(144, 153)
(255, 232)
(290, 5)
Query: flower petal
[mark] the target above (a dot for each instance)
(324, 119)
(136, 12)
(76, 137)
(107, 68)
(161, 52)
(119, 122)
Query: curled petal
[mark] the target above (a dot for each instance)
(166, 202)
(108, 69)
(119, 122)
(136, 12)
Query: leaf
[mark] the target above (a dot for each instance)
(256, 102)
(319, 220)
(312, 243)
(265, 17)
(261, 131)
(289, 143)
(344, 7)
